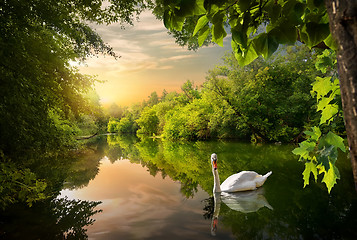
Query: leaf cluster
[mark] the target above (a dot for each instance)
(257, 27)
(320, 150)
(19, 185)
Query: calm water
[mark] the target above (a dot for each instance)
(124, 188)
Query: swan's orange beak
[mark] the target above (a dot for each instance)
(215, 164)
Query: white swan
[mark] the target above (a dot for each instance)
(242, 181)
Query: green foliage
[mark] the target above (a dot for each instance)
(320, 150)
(124, 125)
(19, 185)
(189, 122)
(87, 125)
(257, 27)
(269, 101)
(328, 94)
(148, 122)
(39, 89)
(44, 101)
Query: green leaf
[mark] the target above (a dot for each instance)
(167, 19)
(243, 5)
(323, 63)
(177, 22)
(186, 8)
(313, 4)
(315, 134)
(322, 86)
(173, 21)
(218, 33)
(202, 21)
(330, 177)
(315, 33)
(284, 33)
(204, 32)
(310, 167)
(244, 57)
(265, 45)
(324, 102)
(212, 9)
(199, 8)
(293, 10)
(304, 149)
(332, 139)
(326, 155)
(273, 11)
(239, 37)
(328, 112)
(331, 43)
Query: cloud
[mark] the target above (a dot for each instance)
(150, 59)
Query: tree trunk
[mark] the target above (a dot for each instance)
(343, 26)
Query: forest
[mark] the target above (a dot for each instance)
(47, 105)
(266, 101)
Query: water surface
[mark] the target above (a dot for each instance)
(126, 188)
(158, 190)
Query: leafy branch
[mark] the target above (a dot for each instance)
(320, 151)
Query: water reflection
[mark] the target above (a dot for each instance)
(298, 213)
(157, 192)
(57, 219)
(244, 202)
(217, 208)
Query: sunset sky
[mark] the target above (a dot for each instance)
(150, 61)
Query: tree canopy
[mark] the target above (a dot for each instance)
(259, 27)
(42, 96)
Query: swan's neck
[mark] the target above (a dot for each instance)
(217, 184)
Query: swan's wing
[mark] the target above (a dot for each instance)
(240, 181)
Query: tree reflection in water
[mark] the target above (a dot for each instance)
(56, 219)
(298, 213)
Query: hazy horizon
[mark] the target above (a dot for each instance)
(150, 61)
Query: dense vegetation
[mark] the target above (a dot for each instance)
(258, 28)
(45, 103)
(266, 101)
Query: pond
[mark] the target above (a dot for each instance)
(126, 188)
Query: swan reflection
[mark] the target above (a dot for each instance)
(245, 202)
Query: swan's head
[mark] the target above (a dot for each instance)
(214, 161)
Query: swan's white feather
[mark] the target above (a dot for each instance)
(243, 181)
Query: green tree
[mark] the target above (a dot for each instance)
(153, 99)
(38, 41)
(41, 93)
(271, 99)
(189, 122)
(258, 27)
(116, 111)
(148, 122)
(190, 91)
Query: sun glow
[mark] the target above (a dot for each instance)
(150, 61)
